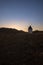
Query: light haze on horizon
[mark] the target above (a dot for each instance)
(20, 14)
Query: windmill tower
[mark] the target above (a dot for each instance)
(30, 29)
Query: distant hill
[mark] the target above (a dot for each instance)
(37, 31)
(9, 30)
(20, 48)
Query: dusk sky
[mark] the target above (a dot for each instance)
(20, 14)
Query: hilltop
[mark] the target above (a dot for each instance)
(20, 48)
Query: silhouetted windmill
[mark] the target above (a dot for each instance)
(30, 29)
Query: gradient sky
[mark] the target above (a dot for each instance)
(20, 14)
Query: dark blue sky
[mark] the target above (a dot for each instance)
(21, 13)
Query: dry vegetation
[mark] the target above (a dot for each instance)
(20, 48)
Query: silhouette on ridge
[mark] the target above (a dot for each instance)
(30, 29)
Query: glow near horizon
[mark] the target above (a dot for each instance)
(20, 14)
(22, 25)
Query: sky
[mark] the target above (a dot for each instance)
(20, 14)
